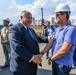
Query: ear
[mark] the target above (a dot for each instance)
(21, 17)
(64, 15)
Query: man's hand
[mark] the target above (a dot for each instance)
(41, 54)
(37, 60)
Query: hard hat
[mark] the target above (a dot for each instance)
(62, 7)
(6, 19)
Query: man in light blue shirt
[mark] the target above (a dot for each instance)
(64, 34)
(50, 28)
(62, 43)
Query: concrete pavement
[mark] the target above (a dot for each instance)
(44, 70)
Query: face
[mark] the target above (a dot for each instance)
(59, 18)
(47, 24)
(5, 23)
(27, 19)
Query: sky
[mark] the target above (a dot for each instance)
(13, 8)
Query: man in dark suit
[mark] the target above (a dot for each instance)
(24, 47)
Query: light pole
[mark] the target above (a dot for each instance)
(42, 16)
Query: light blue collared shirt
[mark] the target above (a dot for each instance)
(50, 30)
(65, 34)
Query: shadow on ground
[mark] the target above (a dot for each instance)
(44, 72)
(6, 71)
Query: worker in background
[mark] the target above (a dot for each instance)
(5, 41)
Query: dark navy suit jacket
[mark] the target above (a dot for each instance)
(23, 47)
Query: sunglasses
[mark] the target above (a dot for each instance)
(58, 15)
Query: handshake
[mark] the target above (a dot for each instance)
(38, 59)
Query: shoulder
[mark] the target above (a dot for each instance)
(4, 28)
(15, 28)
(70, 28)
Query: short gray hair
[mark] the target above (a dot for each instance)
(24, 13)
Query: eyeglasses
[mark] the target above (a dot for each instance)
(58, 15)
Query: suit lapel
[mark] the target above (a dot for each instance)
(25, 32)
(33, 34)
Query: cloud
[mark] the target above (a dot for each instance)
(11, 9)
(73, 17)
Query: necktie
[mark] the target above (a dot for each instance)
(30, 33)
